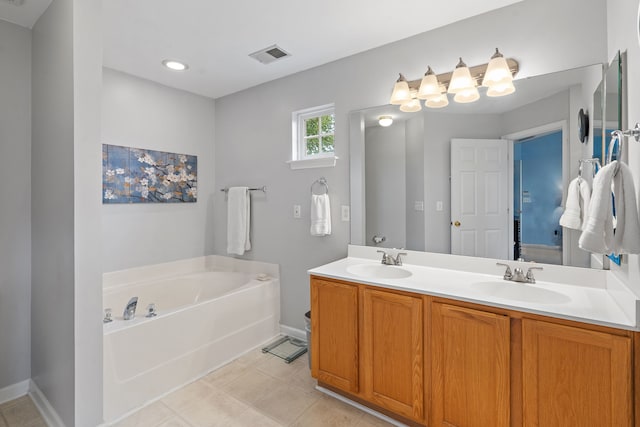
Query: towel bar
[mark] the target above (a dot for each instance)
(263, 189)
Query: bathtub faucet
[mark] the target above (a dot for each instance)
(130, 309)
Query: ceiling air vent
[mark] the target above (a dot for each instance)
(13, 2)
(269, 54)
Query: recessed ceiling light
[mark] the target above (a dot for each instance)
(174, 65)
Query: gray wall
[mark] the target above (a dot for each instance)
(143, 114)
(66, 330)
(15, 210)
(253, 127)
(52, 209)
(415, 182)
(385, 175)
(87, 73)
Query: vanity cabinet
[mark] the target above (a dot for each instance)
(470, 367)
(392, 352)
(437, 362)
(575, 377)
(335, 334)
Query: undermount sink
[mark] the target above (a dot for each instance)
(378, 271)
(520, 292)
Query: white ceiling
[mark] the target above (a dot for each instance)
(215, 37)
(25, 14)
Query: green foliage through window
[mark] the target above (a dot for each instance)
(319, 134)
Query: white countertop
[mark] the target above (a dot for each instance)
(600, 299)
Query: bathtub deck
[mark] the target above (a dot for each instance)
(258, 389)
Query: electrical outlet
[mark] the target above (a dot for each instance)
(297, 211)
(345, 213)
(418, 205)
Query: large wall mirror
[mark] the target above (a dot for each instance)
(401, 191)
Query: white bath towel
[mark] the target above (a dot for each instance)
(627, 231)
(320, 215)
(578, 198)
(599, 235)
(238, 217)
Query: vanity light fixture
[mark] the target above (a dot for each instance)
(401, 93)
(174, 65)
(385, 121)
(462, 83)
(498, 77)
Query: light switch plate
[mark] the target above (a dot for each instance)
(345, 213)
(297, 211)
(439, 205)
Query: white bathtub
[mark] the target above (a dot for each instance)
(206, 318)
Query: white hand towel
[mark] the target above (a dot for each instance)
(572, 215)
(238, 217)
(320, 215)
(585, 201)
(597, 235)
(627, 232)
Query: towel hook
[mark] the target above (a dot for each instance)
(323, 182)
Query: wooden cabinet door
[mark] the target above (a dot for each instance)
(575, 377)
(334, 334)
(470, 367)
(392, 352)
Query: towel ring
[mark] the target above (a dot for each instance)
(324, 186)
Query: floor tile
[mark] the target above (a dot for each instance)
(226, 374)
(252, 418)
(175, 422)
(152, 415)
(369, 420)
(217, 409)
(22, 412)
(329, 412)
(250, 387)
(193, 392)
(285, 403)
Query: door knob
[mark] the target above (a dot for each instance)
(457, 223)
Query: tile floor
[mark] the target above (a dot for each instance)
(20, 412)
(257, 390)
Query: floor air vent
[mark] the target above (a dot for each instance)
(269, 54)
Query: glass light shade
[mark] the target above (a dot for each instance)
(497, 72)
(461, 79)
(385, 121)
(401, 93)
(411, 106)
(467, 96)
(501, 89)
(429, 86)
(437, 101)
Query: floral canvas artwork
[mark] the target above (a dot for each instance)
(136, 175)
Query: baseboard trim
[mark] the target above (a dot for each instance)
(293, 332)
(14, 391)
(49, 414)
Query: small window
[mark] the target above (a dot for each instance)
(314, 133)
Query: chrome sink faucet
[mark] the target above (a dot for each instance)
(388, 259)
(130, 309)
(518, 274)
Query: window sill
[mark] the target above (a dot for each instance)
(321, 162)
